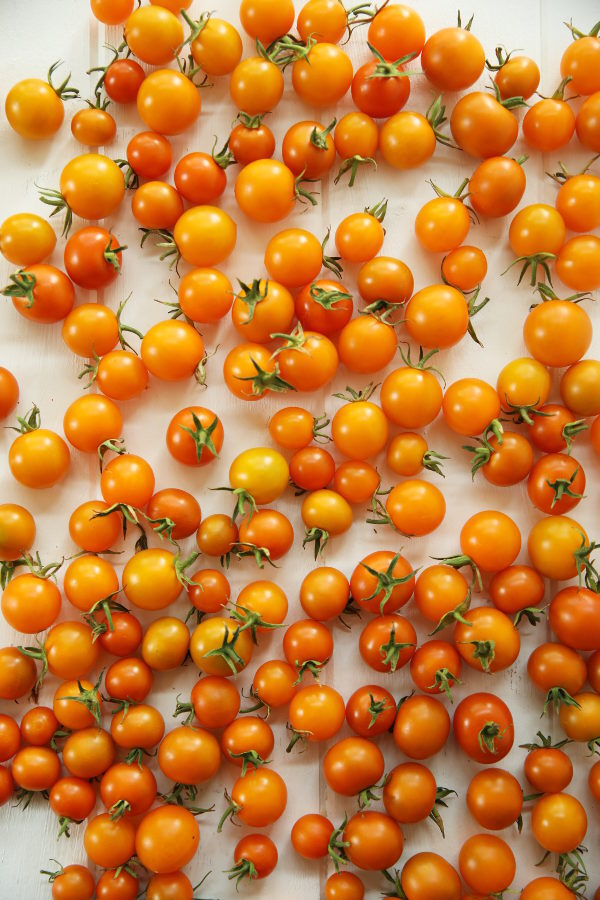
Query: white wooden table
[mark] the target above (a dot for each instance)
(32, 36)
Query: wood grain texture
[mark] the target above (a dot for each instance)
(32, 36)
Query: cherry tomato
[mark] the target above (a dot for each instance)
(469, 405)
(422, 727)
(39, 458)
(370, 711)
(308, 149)
(548, 769)
(153, 34)
(452, 59)
(344, 886)
(427, 875)
(366, 344)
(558, 822)
(26, 239)
(17, 674)
(90, 421)
(266, 190)
(556, 665)
(265, 20)
(260, 797)
(518, 76)
(34, 108)
(556, 483)
(123, 79)
(92, 186)
(491, 539)
(216, 535)
(323, 76)
(30, 603)
(172, 350)
(516, 588)
(482, 126)
(496, 186)
(579, 388)
(397, 30)
(157, 205)
(73, 883)
(180, 506)
(487, 863)
(373, 840)
(127, 479)
(494, 798)
(578, 202)
(407, 140)
(42, 293)
(549, 124)
(151, 579)
(244, 737)
(409, 793)
(38, 726)
(435, 667)
(10, 737)
(380, 89)
(195, 436)
(551, 545)
(352, 765)
(310, 836)
(261, 309)
(275, 683)
(322, 20)
(317, 712)
(17, 531)
(258, 852)
(464, 268)
(189, 755)
(168, 102)
(356, 481)
(93, 127)
(150, 155)
(216, 701)
(415, 507)
(213, 635)
(537, 228)
(578, 263)
(199, 178)
(35, 768)
(382, 580)
(483, 726)
(111, 12)
(411, 397)
(573, 613)
(256, 85)
(437, 315)
(218, 47)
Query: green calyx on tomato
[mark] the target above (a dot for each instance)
(390, 652)
(21, 285)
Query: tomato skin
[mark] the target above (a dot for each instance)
(474, 713)
(556, 665)
(356, 133)
(515, 588)
(275, 682)
(469, 405)
(150, 579)
(265, 598)
(518, 77)
(262, 795)
(17, 531)
(53, 295)
(359, 237)
(366, 344)
(205, 295)
(558, 822)
(545, 888)
(26, 239)
(344, 886)
(578, 202)
(172, 350)
(246, 734)
(579, 388)
(92, 185)
(557, 333)
(179, 506)
(578, 263)
(68, 711)
(496, 186)
(294, 257)
(379, 97)
(72, 797)
(375, 841)
(494, 798)
(209, 635)
(537, 228)
(33, 109)
(256, 85)
(189, 755)
(323, 77)
(113, 886)
(429, 659)
(274, 312)
(551, 544)
(416, 507)
(482, 127)
(312, 468)
(356, 481)
(90, 420)
(74, 883)
(360, 715)
(166, 838)
(265, 190)
(594, 781)
(38, 726)
(548, 769)
(323, 20)
(422, 727)
(437, 315)
(123, 80)
(168, 102)
(573, 617)
(35, 768)
(10, 737)
(580, 60)
(491, 539)
(90, 328)
(314, 316)
(318, 710)
(301, 155)
(396, 31)
(216, 701)
(411, 397)
(30, 603)
(205, 235)
(17, 674)
(260, 851)
(359, 429)
(157, 205)
(129, 679)
(310, 836)
(199, 178)
(587, 123)
(265, 20)
(548, 125)
(127, 479)
(452, 59)
(93, 127)
(218, 47)
(39, 459)
(363, 583)
(427, 876)
(409, 794)
(442, 224)
(149, 154)
(407, 140)
(182, 446)
(216, 535)
(324, 593)
(352, 764)
(153, 34)
(582, 722)
(464, 267)
(552, 468)
(111, 12)
(385, 277)
(487, 624)
(125, 637)
(487, 863)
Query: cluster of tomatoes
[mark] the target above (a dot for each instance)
(295, 328)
